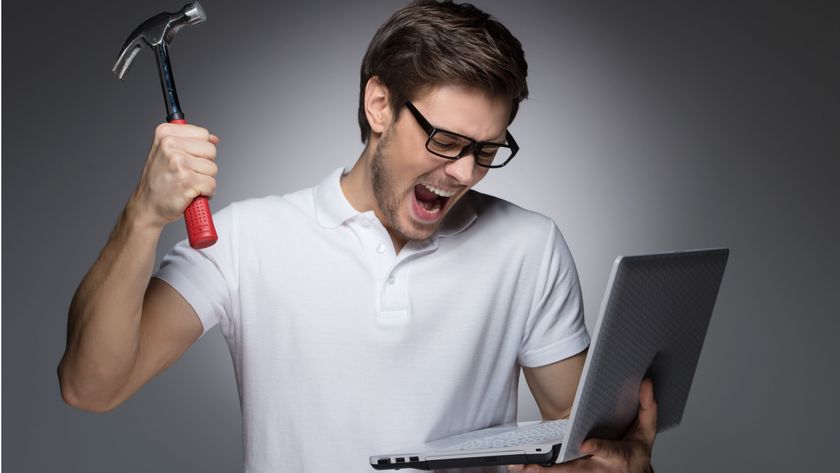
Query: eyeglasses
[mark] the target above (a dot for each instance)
(451, 145)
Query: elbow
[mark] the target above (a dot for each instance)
(73, 397)
(77, 402)
(555, 415)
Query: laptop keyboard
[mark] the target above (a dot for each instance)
(545, 432)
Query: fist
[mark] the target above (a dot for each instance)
(180, 167)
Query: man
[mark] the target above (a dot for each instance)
(388, 305)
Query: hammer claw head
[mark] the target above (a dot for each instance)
(158, 29)
(127, 54)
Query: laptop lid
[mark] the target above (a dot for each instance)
(653, 321)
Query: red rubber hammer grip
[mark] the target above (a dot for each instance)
(200, 229)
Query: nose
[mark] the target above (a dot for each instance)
(463, 169)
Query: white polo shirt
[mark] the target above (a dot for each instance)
(343, 349)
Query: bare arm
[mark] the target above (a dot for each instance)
(122, 328)
(554, 385)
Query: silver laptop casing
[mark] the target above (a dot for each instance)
(654, 318)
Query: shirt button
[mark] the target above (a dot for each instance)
(391, 279)
(380, 249)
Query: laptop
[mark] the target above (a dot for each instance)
(653, 320)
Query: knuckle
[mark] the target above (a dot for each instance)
(183, 176)
(177, 162)
(161, 129)
(168, 143)
(180, 179)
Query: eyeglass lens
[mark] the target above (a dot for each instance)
(453, 146)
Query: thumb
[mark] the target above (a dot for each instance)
(596, 447)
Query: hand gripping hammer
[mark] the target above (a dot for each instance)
(158, 32)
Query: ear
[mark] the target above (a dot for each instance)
(377, 105)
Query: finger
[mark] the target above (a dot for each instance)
(176, 146)
(199, 148)
(182, 130)
(648, 413)
(202, 166)
(598, 448)
(527, 468)
(214, 139)
(202, 185)
(577, 466)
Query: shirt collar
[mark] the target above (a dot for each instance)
(332, 208)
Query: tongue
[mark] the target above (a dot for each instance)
(423, 194)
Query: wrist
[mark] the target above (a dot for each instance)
(137, 221)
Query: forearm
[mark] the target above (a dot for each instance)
(103, 331)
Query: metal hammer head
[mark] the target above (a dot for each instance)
(157, 30)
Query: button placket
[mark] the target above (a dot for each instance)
(392, 271)
(383, 260)
(374, 238)
(395, 288)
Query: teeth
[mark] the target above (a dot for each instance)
(439, 192)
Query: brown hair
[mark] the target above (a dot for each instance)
(429, 43)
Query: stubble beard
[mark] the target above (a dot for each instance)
(385, 196)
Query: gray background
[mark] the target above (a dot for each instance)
(651, 126)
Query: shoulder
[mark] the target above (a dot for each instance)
(508, 220)
(488, 225)
(298, 204)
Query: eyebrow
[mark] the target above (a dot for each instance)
(421, 118)
(500, 141)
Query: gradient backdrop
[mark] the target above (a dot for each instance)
(651, 126)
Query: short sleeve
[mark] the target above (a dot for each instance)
(555, 329)
(206, 278)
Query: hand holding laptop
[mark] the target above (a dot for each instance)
(632, 453)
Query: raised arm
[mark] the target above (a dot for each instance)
(124, 328)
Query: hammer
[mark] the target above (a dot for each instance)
(158, 32)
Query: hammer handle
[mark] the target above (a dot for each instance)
(200, 229)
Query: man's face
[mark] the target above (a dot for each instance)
(415, 189)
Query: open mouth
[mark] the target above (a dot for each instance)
(430, 201)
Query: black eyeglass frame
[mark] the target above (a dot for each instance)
(472, 146)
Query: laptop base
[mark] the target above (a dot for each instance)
(441, 460)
